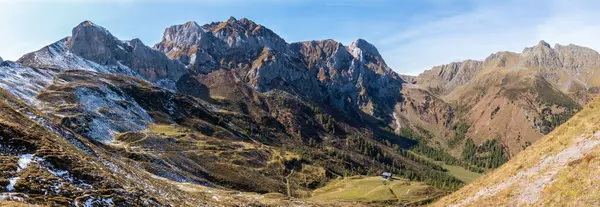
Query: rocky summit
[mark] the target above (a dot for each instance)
(230, 114)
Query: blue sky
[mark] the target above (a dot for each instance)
(411, 35)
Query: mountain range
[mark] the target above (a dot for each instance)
(229, 113)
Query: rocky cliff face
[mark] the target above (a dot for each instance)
(92, 47)
(217, 45)
(348, 77)
(573, 69)
(444, 79)
(572, 58)
(193, 46)
(354, 75)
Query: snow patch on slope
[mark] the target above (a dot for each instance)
(24, 82)
(13, 197)
(111, 113)
(36, 71)
(98, 201)
(11, 183)
(23, 162)
(58, 56)
(63, 175)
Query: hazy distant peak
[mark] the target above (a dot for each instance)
(543, 43)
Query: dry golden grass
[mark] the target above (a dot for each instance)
(374, 189)
(574, 184)
(14, 204)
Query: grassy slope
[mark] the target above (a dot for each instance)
(559, 169)
(12, 204)
(374, 189)
(516, 106)
(461, 173)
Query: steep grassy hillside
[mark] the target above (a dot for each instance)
(559, 169)
(514, 107)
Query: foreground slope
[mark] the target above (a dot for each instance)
(559, 169)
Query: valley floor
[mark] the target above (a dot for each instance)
(376, 190)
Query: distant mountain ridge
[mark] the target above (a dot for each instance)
(517, 97)
(569, 67)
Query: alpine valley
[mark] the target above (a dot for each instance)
(230, 114)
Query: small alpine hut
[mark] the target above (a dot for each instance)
(386, 175)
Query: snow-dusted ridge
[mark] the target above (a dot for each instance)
(111, 113)
(35, 71)
(24, 82)
(57, 56)
(23, 162)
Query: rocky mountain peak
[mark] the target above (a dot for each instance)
(231, 19)
(95, 43)
(443, 79)
(500, 59)
(191, 24)
(571, 48)
(368, 55)
(573, 58)
(540, 55)
(246, 34)
(360, 47)
(541, 47)
(543, 43)
(219, 44)
(91, 25)
(329, 57)
(242, 25)
(230, 26)
(1, 60)
(135, 42)
(92, 47)
(189, 33)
